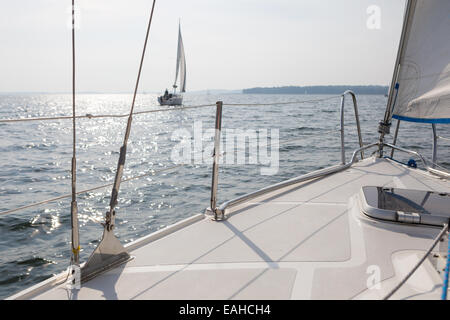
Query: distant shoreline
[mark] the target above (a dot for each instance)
(312, 90)
(376, 90)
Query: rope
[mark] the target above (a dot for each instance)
(438, 165)
(153, 172)
(278, 103)
(314, 135)
(428, 160)
(435, 164)
(91, 116)
(444, 138)
(290, 140)
(146, 174)
(438, 238)
(303, 137)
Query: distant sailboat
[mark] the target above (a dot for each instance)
(174, 99)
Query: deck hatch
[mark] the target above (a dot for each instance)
(406, 205)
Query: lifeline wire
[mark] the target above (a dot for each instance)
(153, 172)
(398, 286)
(147, 174)
(91, 116)
(276, 103)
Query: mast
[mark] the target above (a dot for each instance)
(384, 126)
(180, 64)
(405, 30)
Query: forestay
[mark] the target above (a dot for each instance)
(424, 64)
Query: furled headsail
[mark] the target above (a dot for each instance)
(181, 63)
(423, 64)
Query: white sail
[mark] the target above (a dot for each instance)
(424, 64)
(181, 63)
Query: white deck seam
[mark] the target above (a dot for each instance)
(301, 202)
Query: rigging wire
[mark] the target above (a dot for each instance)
(152, 172)
(75, 258)
(91, 116)
(438, 165)
(443, 138)
(445, 169)
(109, 220)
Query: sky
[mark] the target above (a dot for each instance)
(229, 44)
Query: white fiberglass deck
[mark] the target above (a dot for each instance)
(306, 241)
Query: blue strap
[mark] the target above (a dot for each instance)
(445, 284)
(422, 120)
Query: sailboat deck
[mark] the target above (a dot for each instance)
(306, 241)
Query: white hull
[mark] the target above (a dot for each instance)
(175, 100)
(306, 241)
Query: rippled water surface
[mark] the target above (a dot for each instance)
(35, 165)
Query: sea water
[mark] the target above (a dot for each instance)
(35, 163)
